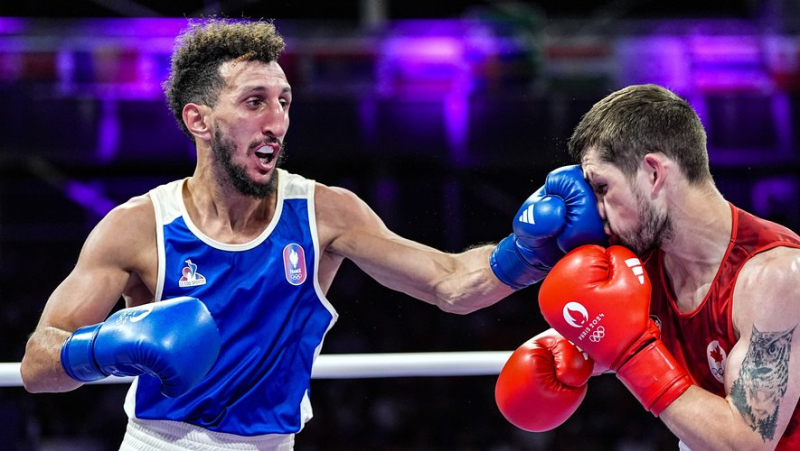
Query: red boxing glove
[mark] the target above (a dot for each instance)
(543, 382)
(600, 300)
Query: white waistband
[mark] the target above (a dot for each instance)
(163, 435)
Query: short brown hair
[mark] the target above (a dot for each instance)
(627, 124)
(203, 47)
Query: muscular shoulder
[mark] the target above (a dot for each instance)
(341, 208)
(340, 213)
(136, 212)
(125, 232)
(767, 290)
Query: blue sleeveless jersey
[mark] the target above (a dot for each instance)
(268, 305)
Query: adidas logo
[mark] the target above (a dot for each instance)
(527, 216)
(636, 266)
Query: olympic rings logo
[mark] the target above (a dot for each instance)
(598, 334)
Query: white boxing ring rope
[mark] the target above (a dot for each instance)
(354, 366)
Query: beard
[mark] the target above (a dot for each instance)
(236, 175)
(655, 227)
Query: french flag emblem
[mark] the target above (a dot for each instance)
(294, 263)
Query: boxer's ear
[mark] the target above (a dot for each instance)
(197, 119)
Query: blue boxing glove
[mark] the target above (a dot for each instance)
(558, 217)
(175, 340)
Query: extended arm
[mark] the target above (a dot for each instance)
(558, 217)
(458, 283)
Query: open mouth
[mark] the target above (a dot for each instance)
(266, 154)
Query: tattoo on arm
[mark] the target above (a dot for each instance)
(762, 380)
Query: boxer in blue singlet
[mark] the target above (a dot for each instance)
(225, 273)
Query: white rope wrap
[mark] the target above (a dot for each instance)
(355, 366)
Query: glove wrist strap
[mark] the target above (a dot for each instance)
(510, 266)
(654, 377)
(77, 355)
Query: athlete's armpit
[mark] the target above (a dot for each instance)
(762, 380)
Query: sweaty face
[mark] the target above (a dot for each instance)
(631, 219)
(236, 174)
(250, 121)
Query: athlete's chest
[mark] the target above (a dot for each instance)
(690, 298)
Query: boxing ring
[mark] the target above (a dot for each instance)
(355, 366)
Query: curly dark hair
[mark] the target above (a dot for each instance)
(203, 47)
(627, 124)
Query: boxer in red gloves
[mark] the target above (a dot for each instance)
(543, 382)
(723, 372)
(600, 300)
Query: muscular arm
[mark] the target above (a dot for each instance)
(457, 283)
(762, 374)
(102, 274)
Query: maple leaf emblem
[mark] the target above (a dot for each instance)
(716, 354)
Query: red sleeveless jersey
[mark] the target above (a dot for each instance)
(700, 340)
